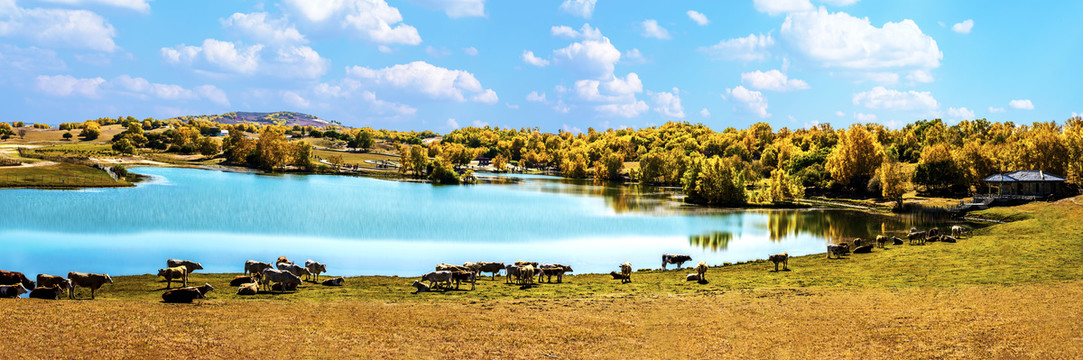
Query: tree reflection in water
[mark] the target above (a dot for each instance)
(714, 241)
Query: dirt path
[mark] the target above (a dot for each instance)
(12, 152)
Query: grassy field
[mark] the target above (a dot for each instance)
(59, 175)
(1012, 290)
(357, 158)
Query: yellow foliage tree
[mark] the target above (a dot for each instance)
(855, 158)
(893, 183)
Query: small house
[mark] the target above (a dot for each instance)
(1026, 184)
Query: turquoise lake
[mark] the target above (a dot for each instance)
(365, 226)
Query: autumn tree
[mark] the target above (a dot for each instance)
(500, 163)
(855, 158)
(784, 188)
(608, 168)
(272, 150)
(91, 130)
(893, 183)
(715, 181)
(1073, 142)
(574, 164)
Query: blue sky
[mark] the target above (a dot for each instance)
(442, 64)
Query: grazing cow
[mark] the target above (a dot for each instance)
(783, 258)
(916, 236)
(896, 241)
(420, 287)
(12, 291)
(490, 267)
(49, 293)
(617, 275)
(189, 266)
(511, 272)
(837, 250)
(315, 268)
(460, 277)
(701, 271)
(182, 295)
(248, 289)
(438, 277)
(174, 273)
(285, 279)
(550, 270)
(689, 277)
(674, 259)
(526, 275)
(255, 267)
(881, 241)
(473, 267)
(88, 280)
(238, 280)
(46, 281)
(15, 277)
(334, 282)
(626, 271)
(957, 231)
(293, 269)
(864, 249)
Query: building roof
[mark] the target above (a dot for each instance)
(1025, 175)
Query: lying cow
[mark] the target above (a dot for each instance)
(12, 291)
(783, 258)
(315, 268)
(49, 293)
(691, 277)
(438, 277)
(837, 250)
(626, 271)
(864, 249)
(179, 273)
(47, 281)
(948, 239)
(490, 267)
(15, 277)
(255, 267)
(238, 280)
(189, 266)
(248, 289)
(182, 295)
(420, 287)
(617, 275)
(87, 280)
(286, 279)
(334, 282)
(896, 241)
(674, 259)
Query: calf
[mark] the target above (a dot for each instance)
(49, 293)
(12, 291)
(255, 267)
(334, 282)
(189, 266)
(957, 231)
(881, 240)
(182, 295)
(315, 268)
(783, 258)
(674, 259)
(864, 249)
(896, 241)
(490, 267)
(438, 277)
(87, 280)
(15, 277)
(626, 272)
(948, 239)
(238, 280)
(420, 287)
(203, 290)
(248, 289)
(174, 273)
(701, 272)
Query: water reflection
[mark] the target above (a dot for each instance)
(715, 241)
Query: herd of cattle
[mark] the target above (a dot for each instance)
(286, 276)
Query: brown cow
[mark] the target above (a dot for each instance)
(12, 291)
(47, 281)
(174, 273)
(92, 281)
(15, 277)
(182, 295)
(238, 280)
(49, 293)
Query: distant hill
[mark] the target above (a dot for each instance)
(284, 118)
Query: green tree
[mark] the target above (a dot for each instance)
(67, 136)
(91, 130)
(715, 181)
(124, 146)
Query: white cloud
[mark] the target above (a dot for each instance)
(529, 58)
(456, 8)
(920, 76)
(138, 5)
(472, 51)
(704, 113)
(372, 20)
(257, 27)
(839, 2)
(140, 86)
(628, 110)
(963, 27)
(285, 61)
(564, 31)
(435, 52)
(213, 93)
(424, 78)
(840, 113)
(479, 123)
(593, 58)
(292, 98)
(1024, 104)
(651, 29)
(616, 94)
(634, 56)
(749, 48)
(561, 107)
(75, 29)
(754, 101)
(222, 54)
(66, 85)
(775, 7)
(961, 113)
(585, 32)
(841, 40)
(28, 61)
(669, 104)
(535, 96)
(772, 80)
(889, 99)
(698, 17)
(580, 8)
(865, 117)
(451, 123)
(996, 109)
(298, 62)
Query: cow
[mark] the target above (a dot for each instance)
(864, 249)
(837, 250)
(87, 280)
(49, 293)
(617, 275)
(182, 295)
(203, 290)
(287, 279)
(948, 239)
(334, 282)
(12, 291)
(255, 267)
(783, 258)
(674, 259)
(315, 268)
(626, 271)
(689, 277)
(460, 277)
(452, 268)
(438, 277)
(490, 267)
(174, 273)
(701, 272)
(549, 270)
(282, 259)
(46, 281)
(189, 266)
(473, 267)
(248, 289)
(15, 277)
(857, 242)
(896, 241)
(934, 232)
(957, 231)
(524, 263)
(881, 241)
(238, 280)
(294, 269)
(511, 272)
(420, 287)
(916, 236)
(526, 275)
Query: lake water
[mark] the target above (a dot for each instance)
(364, 226)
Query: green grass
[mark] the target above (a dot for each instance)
(1043, 247)
(60, 175)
